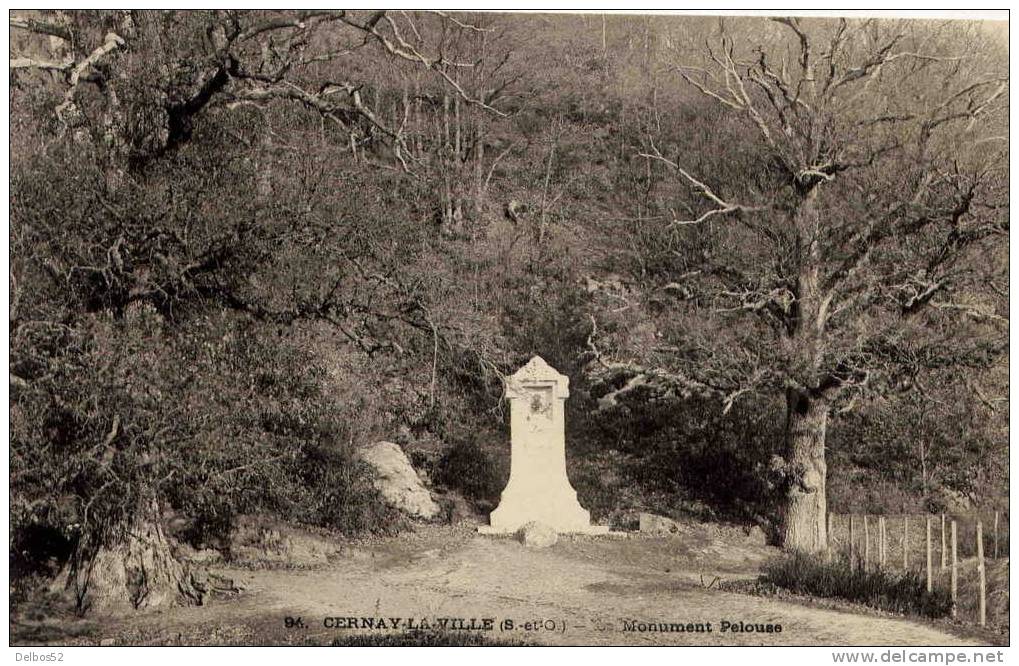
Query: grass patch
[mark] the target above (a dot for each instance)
(896, 592)
(424, 639)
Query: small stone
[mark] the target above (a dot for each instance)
(537, 535)
(756, 536)
(658, 525)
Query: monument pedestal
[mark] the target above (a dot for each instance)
(538, 488)
(560, 510)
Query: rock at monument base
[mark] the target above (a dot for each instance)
(659, 525)
(537, 535)
(397, 481)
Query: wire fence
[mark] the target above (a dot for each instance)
(951, 550)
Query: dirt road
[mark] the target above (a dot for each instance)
(582, 591)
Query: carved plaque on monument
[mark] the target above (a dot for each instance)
(538, 488)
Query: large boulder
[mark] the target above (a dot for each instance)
(397, 481)
(537, 535)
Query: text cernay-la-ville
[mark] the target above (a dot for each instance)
(411, 624)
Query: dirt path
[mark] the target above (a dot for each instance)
(594, 592)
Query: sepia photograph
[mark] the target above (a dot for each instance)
(518, 328)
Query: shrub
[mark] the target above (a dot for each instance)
(715, 465)
(466, 468)
(899, 593)
(340, 494)
(596, 490)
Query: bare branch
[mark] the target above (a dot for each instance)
(724, 207)
(731, 399)
(41, 27)
(870, 67)
(988, 402)
(738, 99)
(110, 43)
(973, 108)
(325, 57)
(461, 24)
(300, 22)
(755, 301)
(972, 311)
(495, 162)
(31, 63)
(318, 101)
(732, 104)
(401, 48)
(794, 25)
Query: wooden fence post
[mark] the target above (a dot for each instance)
(905, 543)
(995, 535)
(880, 541)
(884, 534)
(827, 536)
(866, 542)
(852, 543)
(884, 541)
(983, 577)
(930, 578)
(944, 553)
(955, 572)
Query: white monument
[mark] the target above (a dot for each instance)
(538, 489)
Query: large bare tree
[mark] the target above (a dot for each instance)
(848, 227)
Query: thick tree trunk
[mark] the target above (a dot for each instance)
(137, 571)
(803, 523)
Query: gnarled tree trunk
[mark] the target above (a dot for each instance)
(137, 570)
(803, 524)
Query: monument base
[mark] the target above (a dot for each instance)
(592, 530)
(554, 505)
(539, 489)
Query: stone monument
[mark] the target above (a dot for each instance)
(538, 489)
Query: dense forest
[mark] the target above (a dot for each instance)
(771, 254)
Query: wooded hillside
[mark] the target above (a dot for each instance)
(772, 256)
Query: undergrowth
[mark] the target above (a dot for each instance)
(886, 590)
